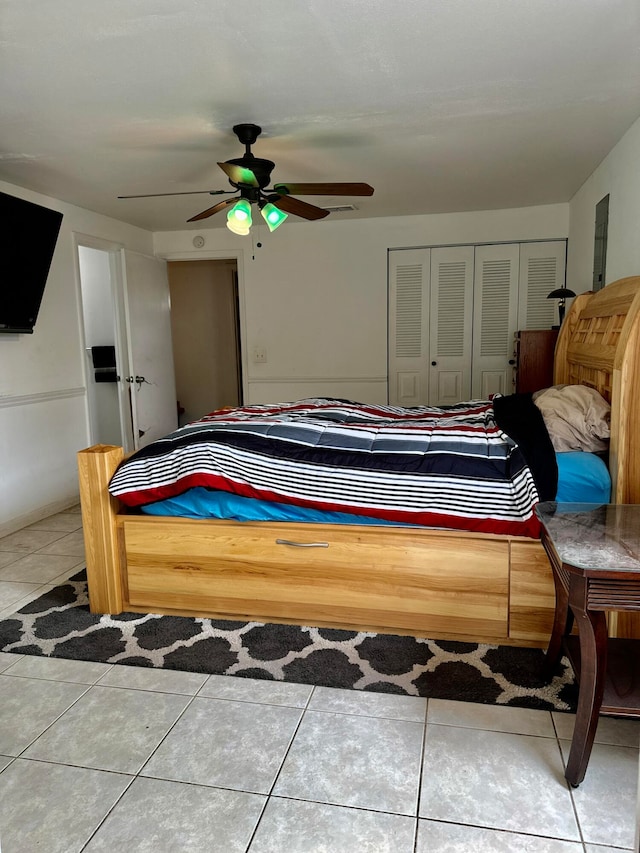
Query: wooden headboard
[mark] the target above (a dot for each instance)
(599, 346)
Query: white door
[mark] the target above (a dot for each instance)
(106, 357)
(542, 270)
(409, 272)
(450, 327)
(430, 318)
(151, 380)
(495, 318)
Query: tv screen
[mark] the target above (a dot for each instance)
(28, 235)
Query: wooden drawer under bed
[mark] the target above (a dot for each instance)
(363, 577)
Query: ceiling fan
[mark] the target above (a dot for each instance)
(250, 177)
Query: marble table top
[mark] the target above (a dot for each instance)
(594, 536)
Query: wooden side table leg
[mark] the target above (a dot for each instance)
(592, 628)
(562, 622)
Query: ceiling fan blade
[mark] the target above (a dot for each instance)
(187, 192)
(239, 174)
(324, 189)
(211, 210)
(297, 207)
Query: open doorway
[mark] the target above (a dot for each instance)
(206, 336)
(131, 393)
(108, 397)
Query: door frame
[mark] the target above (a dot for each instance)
(115, 252)
(224, 255)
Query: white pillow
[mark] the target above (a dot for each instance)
(577, 417)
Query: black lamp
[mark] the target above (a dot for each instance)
(561, 294)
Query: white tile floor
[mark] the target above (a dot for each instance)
(95, 757)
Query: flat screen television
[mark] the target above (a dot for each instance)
(28, 235)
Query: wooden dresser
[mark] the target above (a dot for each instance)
(533, 359)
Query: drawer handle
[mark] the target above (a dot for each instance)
(302, 544)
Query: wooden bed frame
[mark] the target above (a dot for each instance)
(424, 582)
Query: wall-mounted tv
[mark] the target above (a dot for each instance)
(28, 235)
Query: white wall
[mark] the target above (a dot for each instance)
(315, 295)
(619, 176)
(43, 416)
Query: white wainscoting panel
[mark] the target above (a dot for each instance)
(277, 390)
(39, 471)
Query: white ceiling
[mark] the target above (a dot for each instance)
(441, 105)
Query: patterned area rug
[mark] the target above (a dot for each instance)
(59, 624)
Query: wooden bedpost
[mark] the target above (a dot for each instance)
(625, 426)
(96, 466)
(625, 416)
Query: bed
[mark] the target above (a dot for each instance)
(471, 585)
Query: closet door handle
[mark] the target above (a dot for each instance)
(433, 363)
(302, 544)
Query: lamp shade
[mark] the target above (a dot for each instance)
(239, 217)
(561, 293)
(272, 215)
(238, 227)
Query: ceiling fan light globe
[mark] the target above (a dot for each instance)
(238, 226)
(273, 216)
(241, 212)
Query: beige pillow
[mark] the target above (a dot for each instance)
(577, 417)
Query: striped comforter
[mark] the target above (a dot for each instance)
(447, 467)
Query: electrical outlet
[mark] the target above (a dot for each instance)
(259, 355)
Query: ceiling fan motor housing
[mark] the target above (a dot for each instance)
(247, 134)
(261, 168)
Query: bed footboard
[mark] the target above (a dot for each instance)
(99, 511)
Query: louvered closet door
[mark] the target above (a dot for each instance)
(453, 314)
(542, 269)
(409, 327)
(495, 317)
(451, 309)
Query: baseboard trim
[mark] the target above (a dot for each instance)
(17, 523)
(314, 380)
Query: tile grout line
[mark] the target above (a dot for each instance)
(423, 747)
(275, 779)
